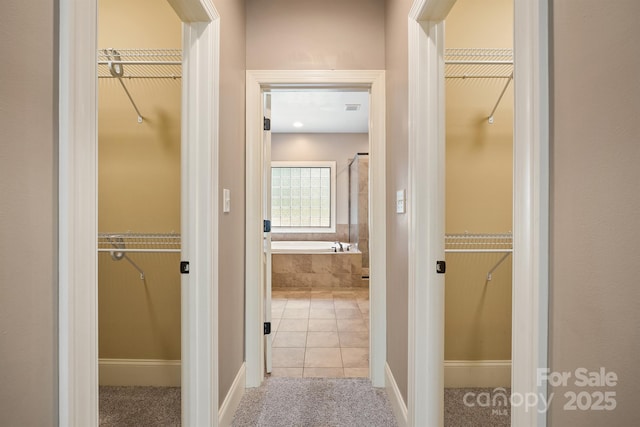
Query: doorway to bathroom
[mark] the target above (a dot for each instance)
(322, 310)
(317, 201)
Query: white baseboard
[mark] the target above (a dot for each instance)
(395, 397)
(231, 402)
(142, 372)
(477, 373)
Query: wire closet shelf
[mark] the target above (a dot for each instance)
(487, 63)
(140, 63)
(118, 245)
(501, 243)
(478, 63)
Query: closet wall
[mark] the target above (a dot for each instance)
(479, 162)
(139, 187)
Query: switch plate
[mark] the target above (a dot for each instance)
(226, 200)
(401, 201)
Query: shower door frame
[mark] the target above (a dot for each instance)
(77, 212)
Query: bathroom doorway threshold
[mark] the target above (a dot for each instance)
(257, 82)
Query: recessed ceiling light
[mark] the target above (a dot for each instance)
(351, 107)
(297, 124)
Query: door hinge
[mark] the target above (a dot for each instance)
(184, 267)
(267, 328)
(267, 124)
(441, 267)
(266, 225)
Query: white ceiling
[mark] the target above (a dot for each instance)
(319, 111)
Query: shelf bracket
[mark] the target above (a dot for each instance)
(495, 107)
(118, 254)
(117, 70)
(490, 273)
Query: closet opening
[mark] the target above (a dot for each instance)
(139, 213)
(479, 125)
(317, 200)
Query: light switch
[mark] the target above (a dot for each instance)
(226, 200)
(400, 201)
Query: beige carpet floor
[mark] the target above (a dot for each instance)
(297, 402)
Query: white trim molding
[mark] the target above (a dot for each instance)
(139, 372)
(257, 82)
(232, 401)
(529, 342)
(77, 214)
(200, 199)
(425, 395)
(530, 212)
(477, 373)
(395, 397)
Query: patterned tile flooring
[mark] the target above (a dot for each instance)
(320, 332)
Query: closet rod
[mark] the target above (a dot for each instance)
(171, 77)
(140, 62)
(480, 251)
(472, 76)
(170, 251)
(465, 62)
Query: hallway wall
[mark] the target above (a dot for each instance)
(232, 176)
(28, 214)
(595, 255)
(313, 35)
(396, 14)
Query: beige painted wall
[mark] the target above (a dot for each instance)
(396, 13)
(139, 188)
(478, 188)
(28, 214)
(313, 35)
(232, 173)
(595, 255)
(340, 147)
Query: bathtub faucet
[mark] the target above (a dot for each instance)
(338, 244)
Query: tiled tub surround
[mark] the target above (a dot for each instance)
(317, 270)
(320, 332)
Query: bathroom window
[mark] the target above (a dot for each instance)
(303, 197)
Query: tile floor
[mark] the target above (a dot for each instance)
(320, 332)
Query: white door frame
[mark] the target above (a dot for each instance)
(257, 80)
(531, 208)
(77, 229)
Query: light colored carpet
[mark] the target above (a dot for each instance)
(457, 414)
(292, 402)
(139, 406)
(312, 402)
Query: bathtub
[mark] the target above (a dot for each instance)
(308, 247)
(313, 264)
